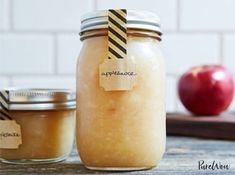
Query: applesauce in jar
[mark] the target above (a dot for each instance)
(121, 116)
(37, 125)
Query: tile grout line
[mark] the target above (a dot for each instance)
(94, 5)
(38, 76)
(221, 48)
(176, 94)
(10, 15)
(35, 74)
(10, 79)
(39, 32)
(187, 31)
(175, 99)
(55, 53)
(11, 28)
(178, 8)
(75, 31)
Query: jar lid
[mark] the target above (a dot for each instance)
(135, 20)
(40, 99)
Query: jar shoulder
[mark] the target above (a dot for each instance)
(95, 50)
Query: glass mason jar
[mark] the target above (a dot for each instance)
(46, 121)
(121, 129)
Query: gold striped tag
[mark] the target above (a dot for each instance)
(117, 72)
(10, 131)
(4, 100)
(117, 34)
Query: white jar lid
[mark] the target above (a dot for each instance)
(38, 99)
(135, 20)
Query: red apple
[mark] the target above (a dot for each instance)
(206, 89)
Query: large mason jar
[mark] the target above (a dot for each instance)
(121, 129)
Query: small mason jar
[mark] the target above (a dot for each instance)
(44, 122)
(121, 129)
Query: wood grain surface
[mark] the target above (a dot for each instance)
(215, 127)
(181, 158)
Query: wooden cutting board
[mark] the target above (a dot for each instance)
(214, 127)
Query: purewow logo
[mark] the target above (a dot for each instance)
(214, 165)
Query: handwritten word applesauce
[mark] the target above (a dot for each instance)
(118, 73)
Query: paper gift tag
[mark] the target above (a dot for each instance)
(117, 74)
(10, 134)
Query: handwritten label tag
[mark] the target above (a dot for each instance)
(10, 134)
(117, 74)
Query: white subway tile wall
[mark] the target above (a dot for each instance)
(68, 46)
(49, 81)
(229, 51)
(39, 41)
(4, 82)
(26, 54)
(4, 11)
(166, 9)
(207, 15)
(186, 50)
(171, 94)
(48, 15)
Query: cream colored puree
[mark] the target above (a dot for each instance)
(45, 135)
(121, 128)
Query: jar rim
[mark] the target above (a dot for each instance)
(39, 99)
(136, 19)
